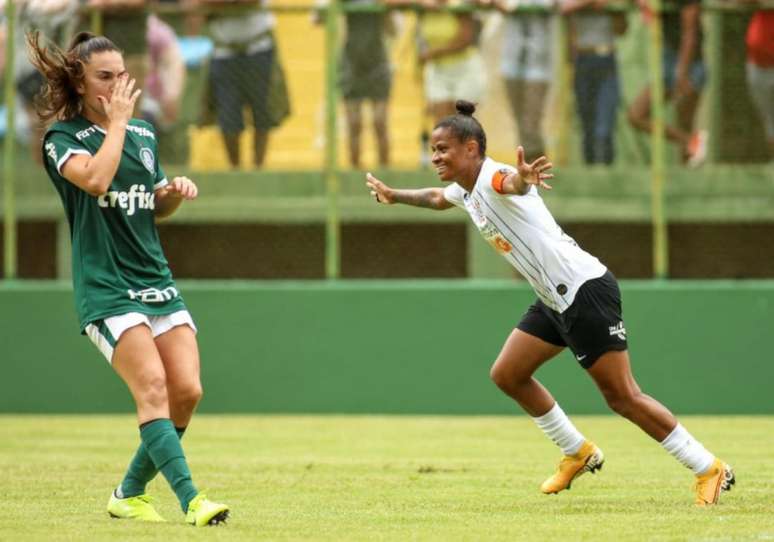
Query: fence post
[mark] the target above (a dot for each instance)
(332, 184)
(9, 169)
(563, 98)
(715, 120)
(658, 143)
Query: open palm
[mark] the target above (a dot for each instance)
(534, 173)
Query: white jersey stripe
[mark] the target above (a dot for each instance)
(541, 272)
(521, 266)
(520, 260)
(66, 157)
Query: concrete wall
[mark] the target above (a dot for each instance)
(395, 347)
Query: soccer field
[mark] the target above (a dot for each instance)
(384, 478)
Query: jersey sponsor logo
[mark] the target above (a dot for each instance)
(473, 206)
(489, 231)
(136, 198)
(51, 152)
(139, 130)
(146, 156)
(83, 134)
(493, 236)
(91, 130)
(153, 295)
(618, 330)
(581, 358)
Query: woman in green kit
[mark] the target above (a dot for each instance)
(104, 165)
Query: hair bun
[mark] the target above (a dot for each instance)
(80, 37)
(465, 107)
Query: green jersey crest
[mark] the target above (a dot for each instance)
(146, 155)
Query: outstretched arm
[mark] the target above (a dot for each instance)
(525, 175)
(430, 198)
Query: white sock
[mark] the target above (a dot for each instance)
(687, 450)
(558, 427)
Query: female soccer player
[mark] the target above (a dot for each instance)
(578, 302)
(104, 166)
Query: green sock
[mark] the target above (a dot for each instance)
(141, 471)
(163, 447)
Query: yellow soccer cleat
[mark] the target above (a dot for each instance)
(203, 512)
(139, 508)
(589, 458)
(719, 477)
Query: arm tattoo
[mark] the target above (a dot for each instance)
(423, 197)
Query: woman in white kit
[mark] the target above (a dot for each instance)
(578, 302)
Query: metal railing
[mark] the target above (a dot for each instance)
(332, 12)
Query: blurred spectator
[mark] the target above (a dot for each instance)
(760, 69)
(449, 54)
(243, 62)
(125, 23)
(684, 76)
(526, 68)
(54, 20)
(365, 74)
(166, 75)
(597, 91)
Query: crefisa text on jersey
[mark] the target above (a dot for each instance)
(136, 198)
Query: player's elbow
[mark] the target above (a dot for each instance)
(94, 186)
(439, 202)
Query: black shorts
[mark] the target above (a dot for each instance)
(238, 81)
(365, 80)
(591, 326)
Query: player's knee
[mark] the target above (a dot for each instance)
(503, 377)
(496, 375)
(622, 403)
(188, 396)
(154, 391)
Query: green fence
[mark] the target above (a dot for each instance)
(726, 112)
(396, 347)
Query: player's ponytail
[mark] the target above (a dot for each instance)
(464, 126)
(63, 71)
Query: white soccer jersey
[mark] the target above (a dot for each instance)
(522, 229)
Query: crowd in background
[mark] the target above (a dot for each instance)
(245, 73)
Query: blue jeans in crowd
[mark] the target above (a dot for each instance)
(597, 95)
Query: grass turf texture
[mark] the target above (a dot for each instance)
(384, 478)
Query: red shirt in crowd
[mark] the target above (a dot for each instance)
(760, 39)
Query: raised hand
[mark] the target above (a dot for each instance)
(121, 104)
(379, 190)
(533, 173)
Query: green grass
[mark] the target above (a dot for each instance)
(384, 478)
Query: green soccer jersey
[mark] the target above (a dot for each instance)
(118, 264)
